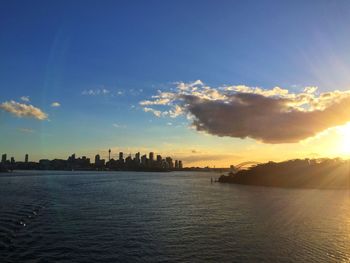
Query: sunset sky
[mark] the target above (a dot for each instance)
(208, 82)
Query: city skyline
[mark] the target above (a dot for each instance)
(122, 162)
(212, 84)
(110, 156)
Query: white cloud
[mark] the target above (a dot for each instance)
(155, 112)
(26, 130)
(23, 110)
(269, 115)
(55, 104)
(116, 125)
(25, 98)
(95, 92)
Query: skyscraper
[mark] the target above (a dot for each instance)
(109, 154)
(137, 158)
(144, 160)
(4, 158)
(151, 156)
(26, 158)
(97, 159)
(169, 162)
(121, 158)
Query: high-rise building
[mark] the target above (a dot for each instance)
(151, 156)
(4, 158)
(128, 161)
(109, 154)
(159, 161)
(26, 158)
(12, 160)
(137, 158)
(97, 159)
(121, 158)
(169, 162)
(144, 160)
(180, 164)
(176, 164)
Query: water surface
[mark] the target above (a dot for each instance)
(174, 217)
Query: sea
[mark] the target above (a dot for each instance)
(50, 216)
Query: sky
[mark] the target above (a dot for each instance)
(209, 82)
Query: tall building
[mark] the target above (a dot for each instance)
(176, 164)
(109, 154)
(144, 160)
(151, 156)
(169, 162)
(97, 159)
(26, 158)
(159, 161)
(121, 158)
(180, 164)
(137, 158)
(12, 160)
(4, 158)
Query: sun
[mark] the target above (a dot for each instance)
(344, 136)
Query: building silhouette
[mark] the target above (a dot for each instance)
(130, 163)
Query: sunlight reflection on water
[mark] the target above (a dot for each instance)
(137, 217)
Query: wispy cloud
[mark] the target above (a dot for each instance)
(155, 112)
(26, 130)
(116, 125)
(25, 98)
(95, 92)
(23, 110)
(55, 104)
(269, 115)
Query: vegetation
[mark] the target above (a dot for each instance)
(316, 173)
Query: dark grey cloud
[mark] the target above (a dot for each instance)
(268, 119)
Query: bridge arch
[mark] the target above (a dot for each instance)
(245, 165)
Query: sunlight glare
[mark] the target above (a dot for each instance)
(344, 132)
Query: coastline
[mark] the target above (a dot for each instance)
(308, 174)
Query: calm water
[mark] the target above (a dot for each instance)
(138, 217)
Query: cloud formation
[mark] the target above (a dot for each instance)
(23, 110)
(268, 115)
(26, 130)
(95, 92)
(25, 98)
(55, 104)
(116, 125)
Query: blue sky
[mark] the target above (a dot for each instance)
(54, 51)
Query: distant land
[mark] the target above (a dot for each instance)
(307, 173)
(144, 163)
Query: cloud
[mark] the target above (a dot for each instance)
(116, 125)
(25, 98)
(55, 104)
(26, 130)
(155, 112)
(268, 115)
(95, 92)
(23, 110)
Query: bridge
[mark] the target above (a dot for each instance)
(245, 165)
